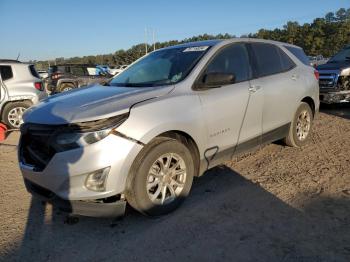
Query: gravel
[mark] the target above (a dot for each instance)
(274, 204)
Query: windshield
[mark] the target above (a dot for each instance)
(341, 56)
(164, 67)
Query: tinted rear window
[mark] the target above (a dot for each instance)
(33, 71)
(270, 59)
(299, 53)
(6, 72)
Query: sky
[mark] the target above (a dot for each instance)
(39, 29)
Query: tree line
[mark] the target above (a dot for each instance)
(324, 36)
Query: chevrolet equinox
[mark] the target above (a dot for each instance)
(173, 114)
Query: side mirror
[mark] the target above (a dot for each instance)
(215, 80)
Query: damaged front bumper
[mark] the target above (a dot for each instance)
(335, 97)
(108, 207)
(63, 179)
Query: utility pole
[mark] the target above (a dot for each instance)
(154, 41)
(146, 45)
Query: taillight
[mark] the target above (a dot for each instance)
(317, 74)
(38, 85)
(56, 75)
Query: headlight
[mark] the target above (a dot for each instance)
(82, 134)
(94, 137)
(72, 140)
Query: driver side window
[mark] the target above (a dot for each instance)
(233, 59)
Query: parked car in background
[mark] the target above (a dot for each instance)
(43, 74)
(69, 76)
(118, 69)
(20, 88)
(317, 60)
(335, 78)
(167, 118)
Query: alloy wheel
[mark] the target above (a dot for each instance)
(15, 116)
(303, 125)
(166, 179)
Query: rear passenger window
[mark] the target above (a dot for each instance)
(78, 71)
(299, 53)
(33, 71)
(269, 59)
(232, 60)
(6, 72)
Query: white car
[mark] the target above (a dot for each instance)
(43, 74)
(170, 116)
(118, 70)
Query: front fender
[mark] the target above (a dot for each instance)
(183, 113)
(22, 98)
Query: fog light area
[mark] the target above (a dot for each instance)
(96, 181)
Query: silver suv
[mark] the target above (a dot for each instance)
(167, 118)
(20, 88)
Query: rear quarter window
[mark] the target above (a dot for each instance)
(286, 61)
(6, 72)
(299, 53)
(33, 71)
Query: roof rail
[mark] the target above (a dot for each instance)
(9, 61)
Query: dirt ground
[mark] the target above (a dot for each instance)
(275, 204)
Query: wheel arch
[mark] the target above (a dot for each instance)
(67, 82)
(311, 103)
(3, 107)
(188, 141)
(13, 101)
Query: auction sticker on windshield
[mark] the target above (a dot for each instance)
(196, 49)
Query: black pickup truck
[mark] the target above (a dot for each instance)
(334, 78)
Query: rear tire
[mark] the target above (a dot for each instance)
(160, 178)
(301, 126)
(13, 112)
(66, 87)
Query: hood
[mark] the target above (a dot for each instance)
(90, 103)
(334, 66)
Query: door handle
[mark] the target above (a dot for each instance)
(254, 88)
(295, 77)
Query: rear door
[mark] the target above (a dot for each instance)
(276, 74)
(6, 74)
(2, 93)
(228, 109)
(81, 74)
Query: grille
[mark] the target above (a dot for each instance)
(35, 148)
(327, 80)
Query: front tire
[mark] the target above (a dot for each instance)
(161, 177)
(300, 128)
(13, 113)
